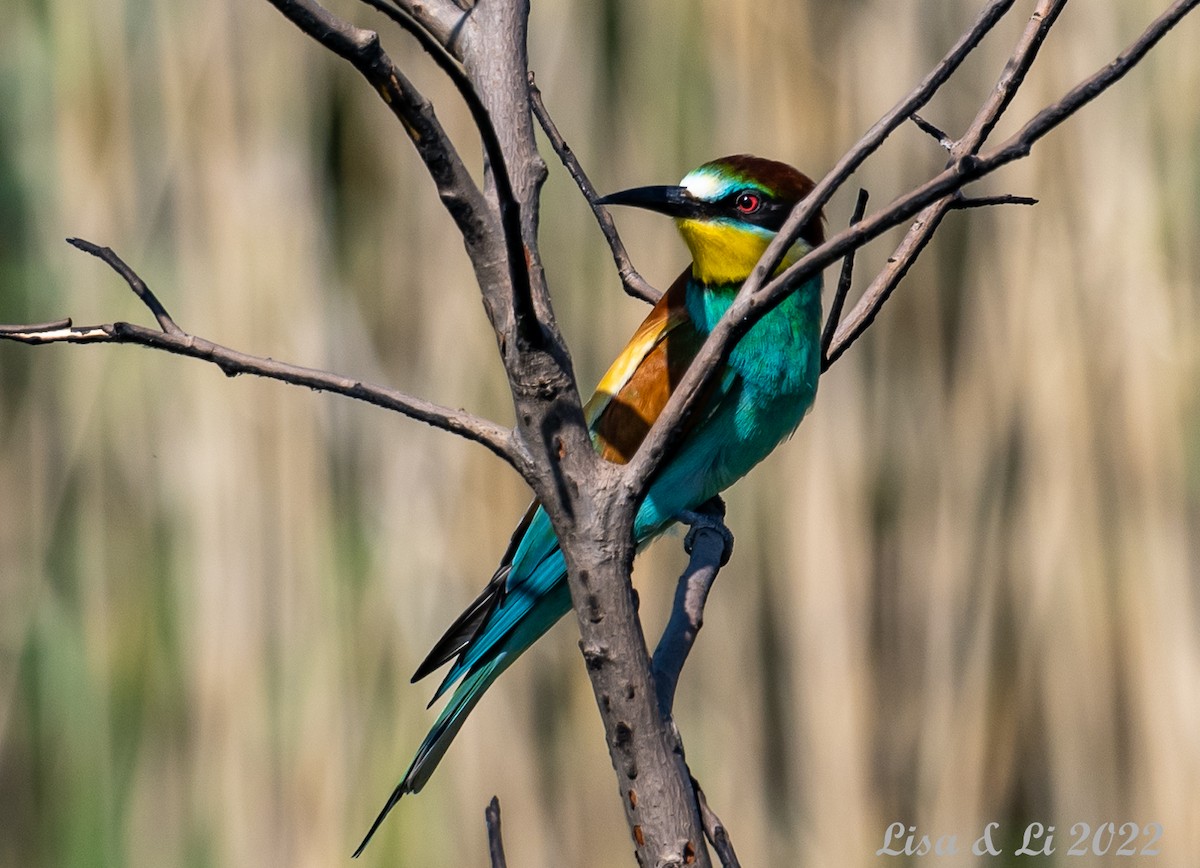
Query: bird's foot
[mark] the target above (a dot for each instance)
(706, 520)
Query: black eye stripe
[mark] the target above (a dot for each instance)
(770, 215)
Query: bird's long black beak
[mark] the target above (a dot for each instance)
(672, 201)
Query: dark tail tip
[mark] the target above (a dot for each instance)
(391, 803)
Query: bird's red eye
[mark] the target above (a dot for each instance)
(748, 203)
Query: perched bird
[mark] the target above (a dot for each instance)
(727, 211)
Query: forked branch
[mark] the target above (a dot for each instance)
(170, 338)
(927, 222)
(875, 137)
(845, 279)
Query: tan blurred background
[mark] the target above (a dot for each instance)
(965, 592)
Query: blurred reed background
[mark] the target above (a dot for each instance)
(965, 592)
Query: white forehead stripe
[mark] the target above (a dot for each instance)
(705, 185)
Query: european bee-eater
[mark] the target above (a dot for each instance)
(727, 212)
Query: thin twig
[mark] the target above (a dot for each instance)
(844, 281)
(108, 256)
(715, 830)
(710, 545)
(963, 203)
(28, 328)
(936, 132)
(634, 283)
(233, 362)
(495, 842)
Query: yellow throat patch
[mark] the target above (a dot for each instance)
(724, 253)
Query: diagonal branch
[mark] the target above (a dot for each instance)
(710, 545)
(843, 286)
(106, 254)
(935, 132)
(634, 283)
(232, 362)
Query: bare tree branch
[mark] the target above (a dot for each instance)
(1045, 14)
(965, 203)
(138, 285)
(232, 362)
(634, 283)
(526, 323)
(462, 198)
(1021, 142)
(710, 545)
(715, 830)
(503, 251)
(935, 132)
(495, 841)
